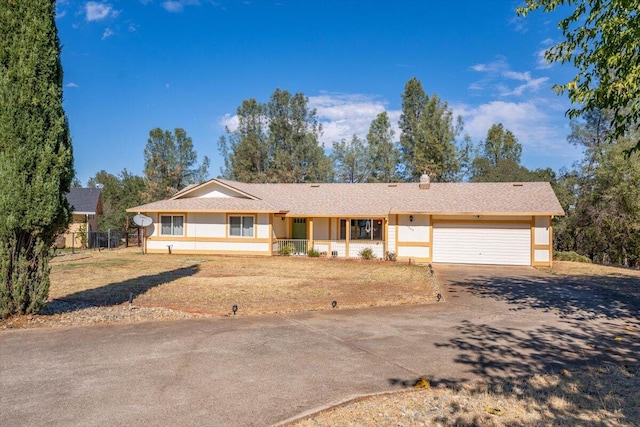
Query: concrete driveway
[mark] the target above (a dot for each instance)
(493, 322)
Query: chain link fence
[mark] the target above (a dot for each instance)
(97, 240)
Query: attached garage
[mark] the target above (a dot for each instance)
(505, 243)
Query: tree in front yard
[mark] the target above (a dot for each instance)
(36, 158)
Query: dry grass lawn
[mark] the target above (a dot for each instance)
(213, 284)
(569, 268)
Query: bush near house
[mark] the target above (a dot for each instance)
(367, 253)
(570, 256)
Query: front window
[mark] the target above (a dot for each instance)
(241, 226)
(362, 229)
(172, 225)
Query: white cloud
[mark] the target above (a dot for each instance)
(229, 122)
(108, 32)
(535, 123)
(175, 6)
(497, 75)
(97, 11)
(60, 5)
(519, 24)
(71, 84)
(342, 116)
(531, 85)
(541, 60)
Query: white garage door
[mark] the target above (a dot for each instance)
(477, 243)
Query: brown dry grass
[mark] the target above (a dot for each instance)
(603, 396)
(213, 284)
(569, 268)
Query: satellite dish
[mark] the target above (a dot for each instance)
(142, 220)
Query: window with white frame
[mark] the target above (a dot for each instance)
(172, 225)
(241, 226)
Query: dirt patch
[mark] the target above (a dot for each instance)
(95, 285)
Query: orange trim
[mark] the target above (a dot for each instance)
(209, 252)
(483, 221)
(271, 234)
(550, 241)
(397, 231)
(414, 244)
(208, 239)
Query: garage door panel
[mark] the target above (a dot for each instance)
(476, 243)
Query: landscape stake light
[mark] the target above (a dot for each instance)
(234, 309)
(334, 304)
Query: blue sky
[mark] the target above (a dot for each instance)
(133, 65)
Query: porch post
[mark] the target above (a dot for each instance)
(310, 231)
(348, 236)
(271, 234)
(385, 234)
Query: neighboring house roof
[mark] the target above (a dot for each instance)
(84, 201)
(379, 199)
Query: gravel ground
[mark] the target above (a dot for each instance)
(61, 313)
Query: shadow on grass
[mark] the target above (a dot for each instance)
(115, 293)
(597, 339)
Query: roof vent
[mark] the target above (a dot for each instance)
(425, 182)
(315, 185)
(518, 184)
(392, 185)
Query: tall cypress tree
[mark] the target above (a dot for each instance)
(36, 158)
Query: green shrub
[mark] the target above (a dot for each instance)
(313, 253)
(570, 256)
(367, 253)
(287, 250)
(390, 256)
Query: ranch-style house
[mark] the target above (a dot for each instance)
(471, 223)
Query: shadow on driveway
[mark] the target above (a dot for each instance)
(115, 293)
(593, 330)
(571, 297)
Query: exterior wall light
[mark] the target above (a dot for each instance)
(410, 218)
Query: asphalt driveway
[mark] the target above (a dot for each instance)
(493, 321)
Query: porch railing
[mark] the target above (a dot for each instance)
(291, 246)
(328, 248)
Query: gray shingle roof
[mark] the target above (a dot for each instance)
(528, 198)
(84, 200)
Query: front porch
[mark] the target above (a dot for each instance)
(330, 237)
(328, 248)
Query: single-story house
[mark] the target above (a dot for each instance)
(86, 205)
(475, 223)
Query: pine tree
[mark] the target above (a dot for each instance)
(382, 153)
(36, 158)
(170, 163)
(276, 142)
(427, 141)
